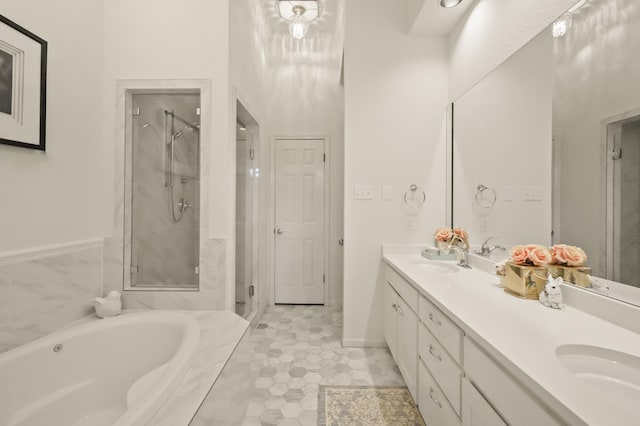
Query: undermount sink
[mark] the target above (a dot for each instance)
(615, 374)
(434, 266)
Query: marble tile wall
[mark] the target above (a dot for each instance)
(211, 293)
(45, 290)
(165, 252)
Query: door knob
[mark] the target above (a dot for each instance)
(280, 231)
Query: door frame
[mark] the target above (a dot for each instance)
(272, 212)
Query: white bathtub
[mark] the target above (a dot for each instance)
(116, 371)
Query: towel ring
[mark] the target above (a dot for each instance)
(485, 197)
(414, 201)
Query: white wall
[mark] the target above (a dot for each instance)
(491, 32)
(50, 198)
(247, 75)
(171, 40)
(50, 248)
(503, 141)
(395, 99)
(305, 99)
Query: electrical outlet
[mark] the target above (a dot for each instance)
(362, 192)
(532, 193)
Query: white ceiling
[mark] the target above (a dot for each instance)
(426, 17)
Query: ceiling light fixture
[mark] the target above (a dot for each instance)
(449, 3)
(298, 14)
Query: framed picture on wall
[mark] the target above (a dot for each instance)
(23, 86)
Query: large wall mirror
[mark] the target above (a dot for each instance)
(546, 147)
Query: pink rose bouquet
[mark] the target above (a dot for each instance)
(530, 255)
(443, 234)
(562, 254)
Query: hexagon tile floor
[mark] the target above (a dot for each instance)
(297, 348)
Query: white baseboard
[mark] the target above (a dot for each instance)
(49, 251)
(363, 343)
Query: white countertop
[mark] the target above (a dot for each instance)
(523, 335)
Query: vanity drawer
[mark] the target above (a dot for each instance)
(442, 367)
(447, 333)
(404, 289)
(433, 405)
(514, 403)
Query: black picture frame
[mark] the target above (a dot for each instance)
(23, 86)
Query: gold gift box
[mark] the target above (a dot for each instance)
(523, 281)
(578, 275)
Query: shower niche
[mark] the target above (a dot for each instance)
(162, 192)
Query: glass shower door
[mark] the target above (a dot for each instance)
(163, 204)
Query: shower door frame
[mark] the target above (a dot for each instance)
(129, 177)
(126, 89)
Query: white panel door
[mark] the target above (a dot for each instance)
(299, 221)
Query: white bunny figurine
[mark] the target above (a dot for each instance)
(551, 296)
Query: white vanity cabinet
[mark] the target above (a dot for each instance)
(476, 411)
(401, 327)
(516, 405)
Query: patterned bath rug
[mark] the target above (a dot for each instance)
(367, 406)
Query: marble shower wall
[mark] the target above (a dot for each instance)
(165, 253)
(211, 294)
(44, 290)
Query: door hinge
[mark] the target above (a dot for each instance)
(252, 154)
(252, 290)
(197, 270)
(133, 269)
(135, 111)
(324, 158)
(323, 278)
(616, 154)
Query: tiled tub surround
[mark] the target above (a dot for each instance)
(45, 289)
(522, 336)
(222, 334)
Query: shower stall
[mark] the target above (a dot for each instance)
(162, 192)
(247, 213)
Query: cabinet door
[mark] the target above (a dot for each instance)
(390, 320)
(476, 411)
(408, 346)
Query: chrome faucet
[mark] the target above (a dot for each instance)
(462, 251)
(486, 250)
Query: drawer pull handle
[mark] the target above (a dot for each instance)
(438, 403)
(433, 352)
(433, 319)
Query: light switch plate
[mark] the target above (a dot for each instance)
(362, 192)
(385, 193)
